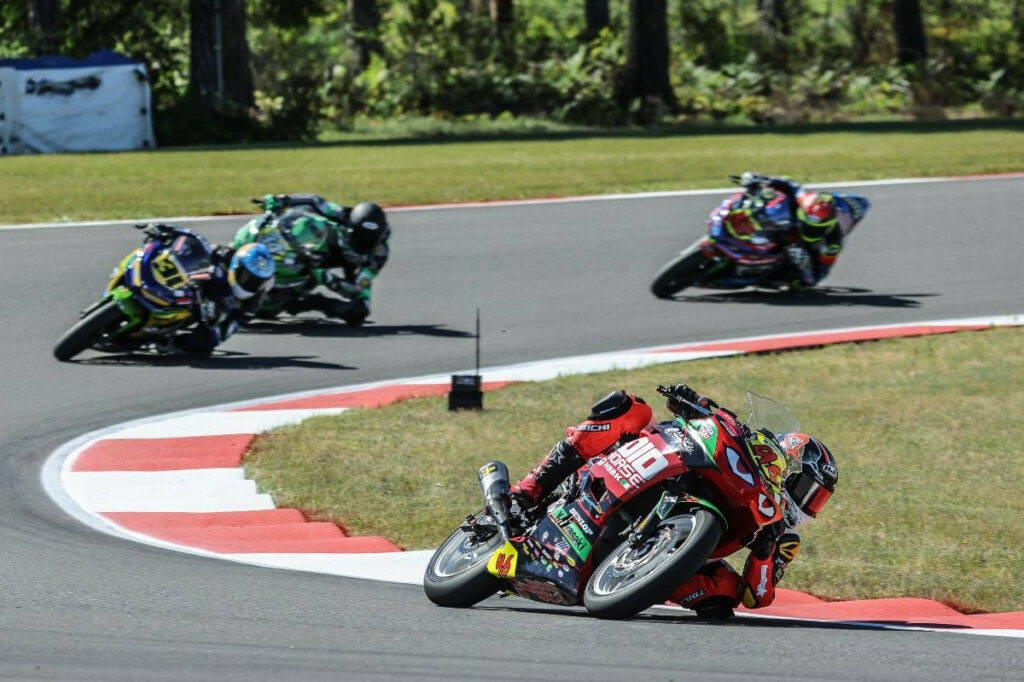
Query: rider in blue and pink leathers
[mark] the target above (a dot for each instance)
(816, 223)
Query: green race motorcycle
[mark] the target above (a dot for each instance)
(299, 244)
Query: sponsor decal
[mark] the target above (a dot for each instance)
(503, 562)
(794, 442)
(572, 532)
(538, 590)
(730, 424)
(830, 471)
(692, 596)
(635, 462)
(762, 586)
(592, 505)
(706, 430)
(594, 427)
(561, 546)
(688, 445)
(580, 520)
(771, 462)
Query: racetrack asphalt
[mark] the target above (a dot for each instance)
(551, 280)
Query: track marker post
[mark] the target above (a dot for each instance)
(466, 393)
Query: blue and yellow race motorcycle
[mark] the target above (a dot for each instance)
(149, 298)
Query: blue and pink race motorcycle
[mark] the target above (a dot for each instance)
(744, 247)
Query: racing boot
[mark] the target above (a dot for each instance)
(711, 592)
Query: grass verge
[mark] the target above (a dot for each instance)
(929, 501)
(203, 181)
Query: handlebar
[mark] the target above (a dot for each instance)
(672, 395)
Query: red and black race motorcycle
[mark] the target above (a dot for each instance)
(628, 527)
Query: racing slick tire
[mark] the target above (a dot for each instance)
(682, 271)
(632, 579)
(87, 331)
(456, 575)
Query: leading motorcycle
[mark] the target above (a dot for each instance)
(744, 246)
(149, 297)
(628, 527)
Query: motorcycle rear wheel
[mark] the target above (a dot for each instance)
(632, 579)
(682, 271)
(456, 576)
(87, 331)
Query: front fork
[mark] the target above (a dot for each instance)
(125, 301)
(645, 528)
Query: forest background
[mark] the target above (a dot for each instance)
(225, 71)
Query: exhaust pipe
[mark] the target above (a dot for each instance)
(497, 490)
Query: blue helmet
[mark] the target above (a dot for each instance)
(251, 271)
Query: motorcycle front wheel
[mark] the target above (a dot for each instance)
(682, 271)
(456, 576)
(633, 578)
(87, 331)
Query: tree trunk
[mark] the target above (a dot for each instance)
(1018, 21)
(364, 19)
(219, 69)
(910, 44)
(45, 18)
(597, 16)
(237, 69)
(203, 68)
(503, 18)
(860, 32)
(775, 29)
(647, 56)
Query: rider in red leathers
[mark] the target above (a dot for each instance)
(716, 589)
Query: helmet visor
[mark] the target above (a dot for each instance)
(244, 283)
(809, 495)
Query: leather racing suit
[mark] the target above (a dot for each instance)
(220, 314)
(813, 251)
(716, 588)
(358, 269)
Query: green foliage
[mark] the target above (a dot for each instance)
(832, 60)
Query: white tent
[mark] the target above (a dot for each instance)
(58, 104)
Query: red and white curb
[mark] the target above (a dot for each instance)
(176, 480)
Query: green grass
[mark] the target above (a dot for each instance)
(201, 181)
(926, 433)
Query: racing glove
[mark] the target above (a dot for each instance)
(678, 397)
(753, 179)
(341, 286)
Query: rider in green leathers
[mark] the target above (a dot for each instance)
(309, 237)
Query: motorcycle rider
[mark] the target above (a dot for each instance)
(229, 286)
(716, 589)
(356, 243)
(819, 220)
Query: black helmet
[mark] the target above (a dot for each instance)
(813, 483)
(368, 225)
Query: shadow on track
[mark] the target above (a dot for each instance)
(219, 360)
(657, 616)
(824, 296)
(319, 327)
